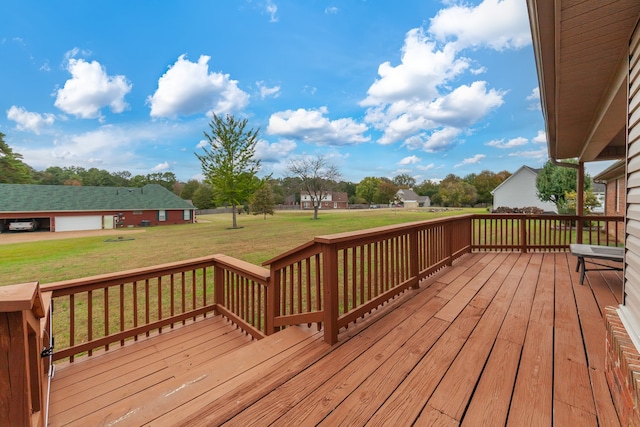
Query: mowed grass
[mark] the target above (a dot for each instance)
(257, 241)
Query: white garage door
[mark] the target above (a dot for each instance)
(76, 223)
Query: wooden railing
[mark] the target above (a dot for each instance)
(332, 281)
(336, 279)
(24, 345)
(100, 311)
(526, 233)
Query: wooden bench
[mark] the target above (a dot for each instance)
(589, 253)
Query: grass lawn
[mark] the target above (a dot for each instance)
(259, 240)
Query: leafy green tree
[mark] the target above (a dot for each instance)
(426, 188)
(590, 201)
(457, 193)
(386, 192)
(189, 188)
(317, 177)
(12, 169)
(166, 179)
(203, 197)
(485, 182)
(367, 188)
(229, 163)
(554, 182)
(262, 201)
(404, 181)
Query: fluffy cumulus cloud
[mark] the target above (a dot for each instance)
(90, 89)
(313, 127)
(540, 138)
(424, 101)
(160, 167)
(540, 155)
(501, 143)
(189, 88)
(409, 160)
(274, 152)
(26, 120)
(498, 24)
(471, 160)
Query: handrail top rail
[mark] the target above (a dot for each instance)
(255, 272)
(20, 297)
(130, 274)
(360, 234)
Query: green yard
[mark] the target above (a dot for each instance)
(259, 240)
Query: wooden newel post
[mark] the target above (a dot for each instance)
(273, 301)
(330, 292)
(414, 259)
(22, 378)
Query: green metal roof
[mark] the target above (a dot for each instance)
(57, 198)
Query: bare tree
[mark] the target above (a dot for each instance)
(317, 176)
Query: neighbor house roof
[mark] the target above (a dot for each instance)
(614, 171)
(64, 198)
(534, 171)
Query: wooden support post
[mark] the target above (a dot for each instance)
(523, 234)
(580, 201)
(22, 377)
(330, 293)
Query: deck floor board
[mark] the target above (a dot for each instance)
(495, 339)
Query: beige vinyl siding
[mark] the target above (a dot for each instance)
(630, 311)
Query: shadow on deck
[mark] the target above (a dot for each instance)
(496, 339)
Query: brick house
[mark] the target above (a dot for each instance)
(330, 200)
(615, 198)
(73, 208)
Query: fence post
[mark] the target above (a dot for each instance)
(414, 259)
(22, 385)
(330, 278)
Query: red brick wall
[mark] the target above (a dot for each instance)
(622, 369)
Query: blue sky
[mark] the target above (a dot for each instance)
(379, 88)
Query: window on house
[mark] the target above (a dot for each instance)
(186, 214)
(162, 215)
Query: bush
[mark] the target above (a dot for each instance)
(531, 210)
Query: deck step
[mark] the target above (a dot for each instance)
(209, 381)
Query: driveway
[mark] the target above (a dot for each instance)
(26, 236)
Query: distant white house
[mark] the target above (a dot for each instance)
(519, 191)
(410, 198)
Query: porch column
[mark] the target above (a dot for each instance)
(580, 201)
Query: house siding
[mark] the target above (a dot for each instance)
(519, 191)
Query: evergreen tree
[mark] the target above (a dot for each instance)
(12, 169)
(263, 201)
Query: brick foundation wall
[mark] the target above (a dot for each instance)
(622, 369)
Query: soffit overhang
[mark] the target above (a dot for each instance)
(581, 52)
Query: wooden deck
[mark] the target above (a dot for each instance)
(496, 339)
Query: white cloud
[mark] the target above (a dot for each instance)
(534, 98)
(471, 160)
(532, 154)
(410, 160)
(439, 140)
(272, 10)
(541, 138)
(331, 10)
(406, 100)
(26, 120)
(311, 126)
(161, 167)
(268, 91)
(497, 24)
(90, 89)
(276, 152)
(189, 88)
(428, 167)
(515, 142)
(422, 69)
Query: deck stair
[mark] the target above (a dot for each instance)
(175, 373)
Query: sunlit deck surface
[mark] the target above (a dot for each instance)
(496, 339)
